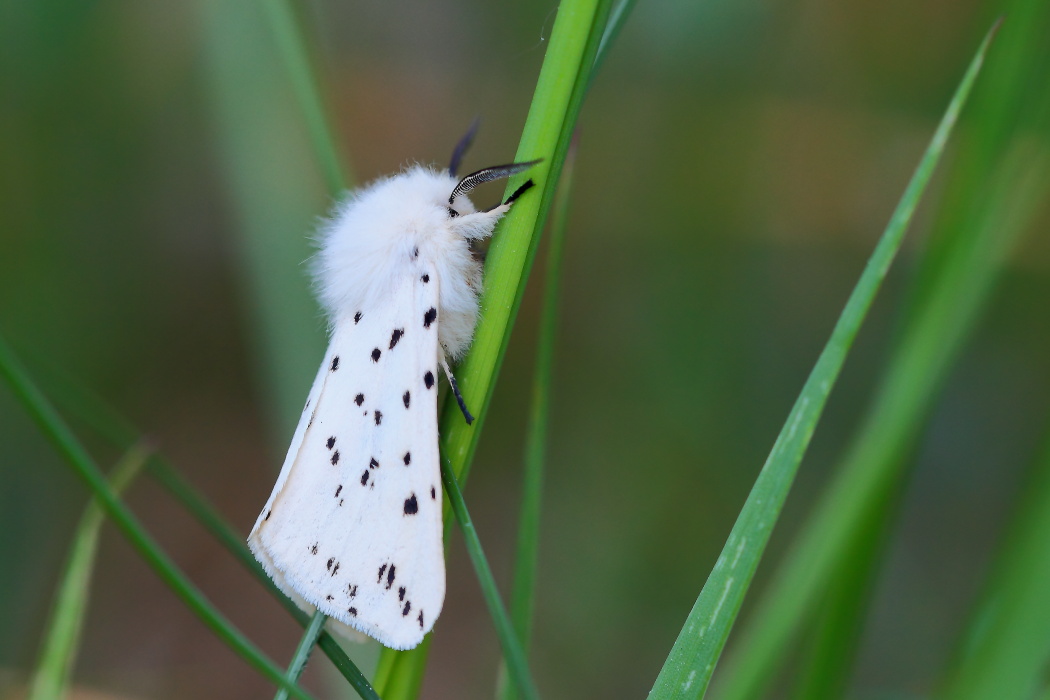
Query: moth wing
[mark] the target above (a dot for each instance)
(353, 526)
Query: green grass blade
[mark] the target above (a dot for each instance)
(62, 640)
(101, 418)
(275, 194)
(612, 30)
(687, 670)
(302, 652)
(84, 466)
(292, 48)
(1006, 199)
(1017, 189)
(512, 650)
(552, 118)
(1007, 646)
(526, 554)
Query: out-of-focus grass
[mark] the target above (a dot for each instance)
(1006, 646)
(692, 660)
(116, 266)
(82, 464)
(997, 185)
(62, 639)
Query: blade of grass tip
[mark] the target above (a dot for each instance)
(84, 466)
(512, 651)
(876, 461)
(302, 652)
(1012, 196)
(688, 668)
(1008, 639)
(292, 48)
(62, 640)
(527, 552)
(102, 418)
(612, 30)
(552, 118)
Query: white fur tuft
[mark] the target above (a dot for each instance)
(368, 247)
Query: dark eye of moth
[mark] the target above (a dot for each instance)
(452, 213)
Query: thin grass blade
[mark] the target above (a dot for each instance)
(526, 554)
(552, 117)
(512, 650)
(1007, 647)
(302, 652)
(688, 669)
(999, 208)
(102, 419)
(275, 193)
(1018, 187)
(62, 640)
(292, 48)
(84, 466)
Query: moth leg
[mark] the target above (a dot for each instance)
(455, 392)
(514, 195)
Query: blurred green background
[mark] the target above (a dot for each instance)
(737, 161)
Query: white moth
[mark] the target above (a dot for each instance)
(353, 527)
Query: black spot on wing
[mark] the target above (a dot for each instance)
(338, 489)
(359, 399)
(357, 318)
(408, 458)
(382, 570)
(429, 317)
(401, 593)
(267, 515)
(390, 577)
(408, 606)
(433, 493)
(407, 398)
(352, 589)
(415, 252)
(313, 548)
(376, 354)
(328, 597)
(336, 569)
(335, 363)
(379, 417)
(364, 478)
(420, 618)
(411, 506)
(395, 336)
(335, 458)
(352, 611)
(428, 379)
(330, 562)
(426, 279)
(372, 464)
(330, 443)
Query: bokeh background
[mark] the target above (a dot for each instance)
(736, 163)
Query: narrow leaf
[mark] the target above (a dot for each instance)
(688, 669)
(62, 640)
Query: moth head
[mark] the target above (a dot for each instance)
(496, 172)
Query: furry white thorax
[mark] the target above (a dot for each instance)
(375, 236)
